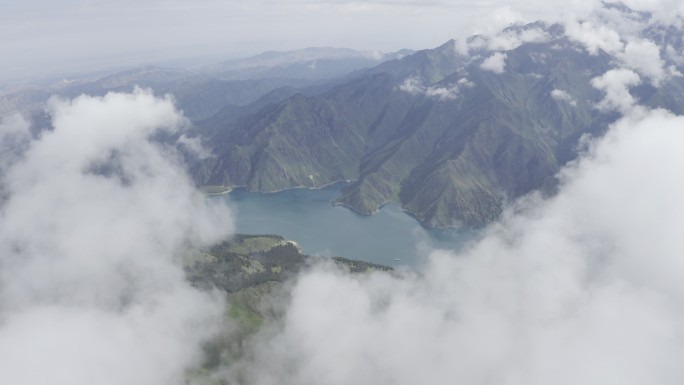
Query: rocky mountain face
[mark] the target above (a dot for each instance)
(451, 135)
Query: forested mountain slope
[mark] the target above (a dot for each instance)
(450, 134)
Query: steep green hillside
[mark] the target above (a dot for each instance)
(439, 131)
(251, 269)
(251, 260)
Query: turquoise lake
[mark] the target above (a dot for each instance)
(308, 217)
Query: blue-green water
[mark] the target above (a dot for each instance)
(307, 217)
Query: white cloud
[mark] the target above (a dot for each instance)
(501, 40)
(675, 56)
(443, 93)
(94, 221)
(414, 86)
(194, 146)
(595, 37)
(563, 96)
(584, 288)
(673, 71)
(617, 34)
(465, 82)
(513, 39)
(644, 57)
(495, 63)
(616, 84)
(665, 11)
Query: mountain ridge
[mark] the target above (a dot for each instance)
(444, 134)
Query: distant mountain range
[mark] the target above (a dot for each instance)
(450, 136)
(450, 133)
(203, 91)
(308, 63)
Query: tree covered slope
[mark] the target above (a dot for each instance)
(449, 135)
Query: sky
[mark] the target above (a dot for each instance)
(41, 37)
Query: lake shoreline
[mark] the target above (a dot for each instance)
(335, 202)
(308, 217)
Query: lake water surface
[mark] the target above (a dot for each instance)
(307, 217)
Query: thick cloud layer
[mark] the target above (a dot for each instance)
(93, 222)
(584, 288)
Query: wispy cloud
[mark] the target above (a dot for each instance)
(584, 287)
(413, 85)
(563, 96)
(93, 220)
(616, 84)
(495, 63)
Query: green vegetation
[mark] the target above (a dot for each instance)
(215, 189)
(251, 260)
(248, 244)
(251, 269)
(450, 161)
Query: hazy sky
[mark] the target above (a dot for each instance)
(39, 36)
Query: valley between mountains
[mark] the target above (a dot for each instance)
(443, 133)
(451, 134)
